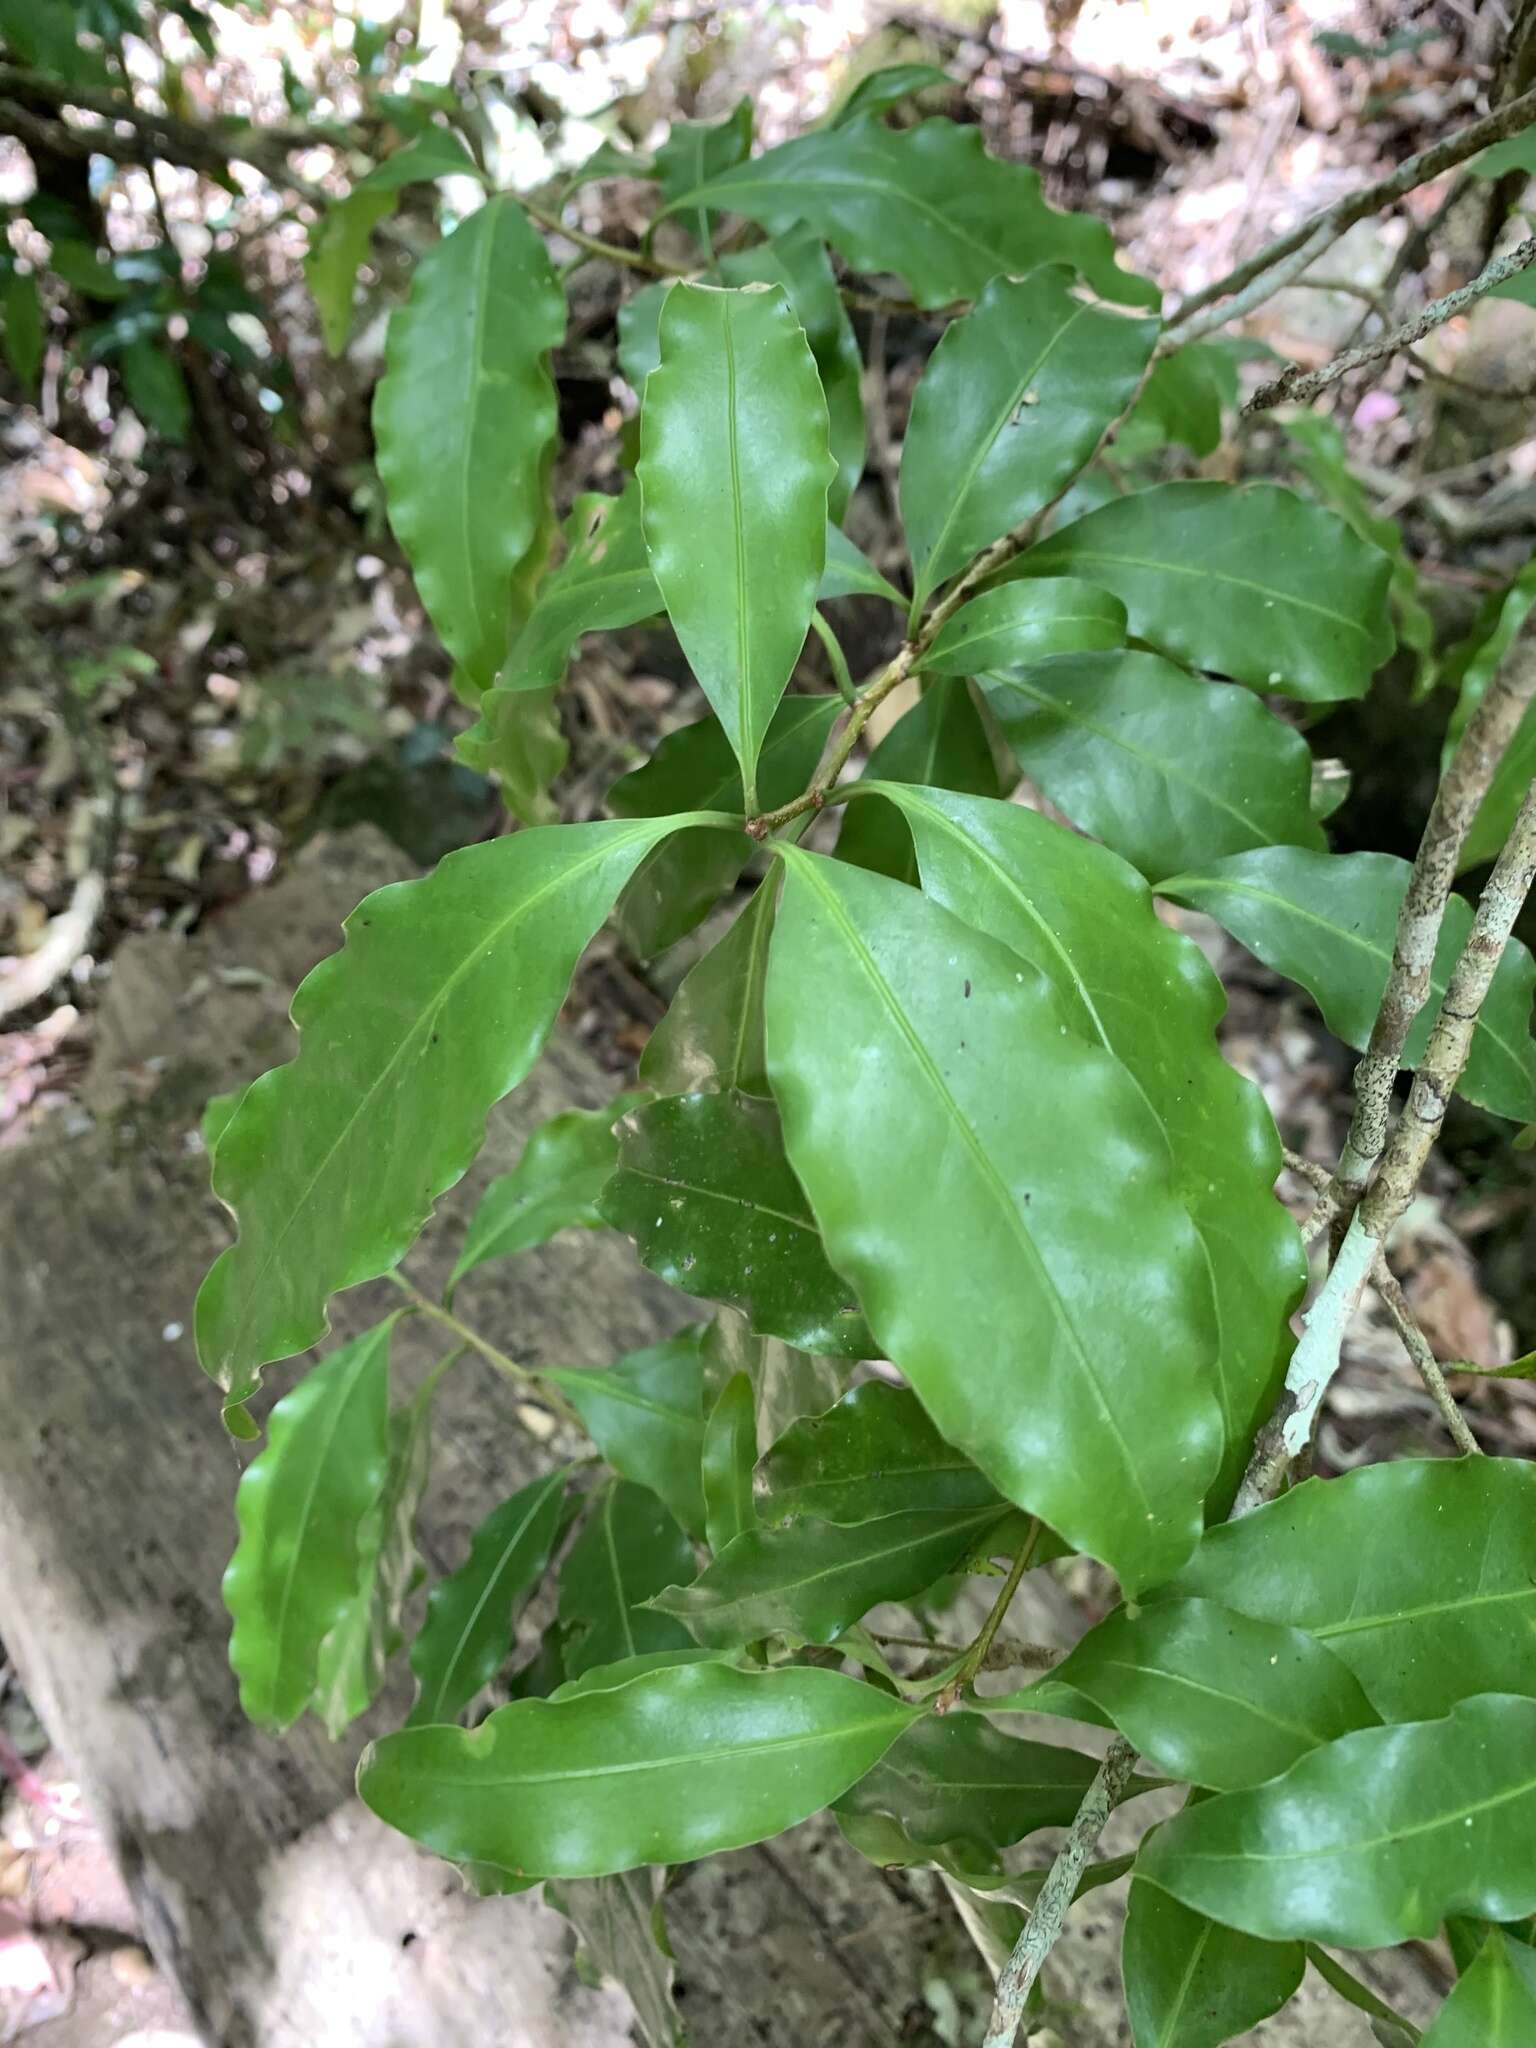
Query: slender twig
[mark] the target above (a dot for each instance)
(527, 1376)
(1056, 1894)
(1274, 266)
(630, 259)
(1006, 1653)
(1418, 1348)
(1299, 386)
(1457, 800)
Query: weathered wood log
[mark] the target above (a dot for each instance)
(286, 1914)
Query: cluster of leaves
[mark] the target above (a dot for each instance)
(946, 1094)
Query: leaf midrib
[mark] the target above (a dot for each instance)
(492, 1581)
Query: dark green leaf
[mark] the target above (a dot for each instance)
(640, 333)
(850, 573)
(941, 741)
(338, 242)
(1494, 2005)
(798, 261)
(87, 271)
(464, 421)
(472, 1615)
(1022, 622)
(645, 1413)
(733, 472)
(878, 90)
(1372, 1839)
(1345, 1560)
(875, 1453)
(954, 1777)
(1190, 1983)
(619, 1921)
(730, 1452)
(925, 202)
(1212, 1696)
(704, 1189)
(156, 389)
(436, 1008)
(696, 151)
(1329, 921)
(1514, 153)
(24, 330)
(712, 1036)
(299, 1504)
(1252, 581)
(680, 1764)
(554, 1186)
(1085, 1405)
(1155, 762)
(629, 1548)
(1087, 922)
(1181, 402)
(812, 1579)
(1010, 407)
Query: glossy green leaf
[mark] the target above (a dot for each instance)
(1212, 1696)
(927, 203)
(1010, 407)
(878, 90)
(518, 739)
(367, 1634)
(1253, 582)
(464, 422)
(1494, 2005)
(1344, 1559)
(1372, 1839)
(1086, 921)
(338, 243)
(1085, 1404)
(217, 1112)
(639, 324)
(1023, 622)
(1182, 402)
(472, 1615)
(554, 1186)
(24, 328)
(645, 1413)
(875, 1453)
(812, 1579)
(629, 1548)
(797, 260)
(1190, 1983)
(733, 475)
(696, 151)
(437, 1007)
(156, 388)
(1155, 762)
(786, 1381)
(300, 1505)
(850, 573)
(730, 1452)
(704, 1189)
(712, 1036)
(609, 1677)
(954, 1777)
(941, 741)
(1329, 921)
(622, 1934)
(680, 1764)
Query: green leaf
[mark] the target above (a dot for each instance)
(518, 739)
(1212, 1696)
(787, 1383)
(956, 1778)
(436, 1008)
(798, 261)
(704, 1189)
(850, 573)
(472, 1614)
(640, 333)
(1494, 2005)
(712, 1036)
(87, 271)
(553, 1187)
(696, 151)
(1393, 2031)
(645, 1413)
(730, 1452)
(887, 87)
(435, 153)
(927, 203)
(1329, 921)
(1182, 402)
(24, 328)
(1087, 922)
(609, 1677)
(812, 1579)
(1155, 762)
(629, 1548)
(299, 1505)
(876, 1453)
(623, 1937)
(1085, 1404)
(680, 1764)
(1010, 407)
(1022, 622)
(1344, 1560)
(1251, 581)
(217, 1112)
(367, 1634)
(611, 160)
(1514, 153)
(941, 740)
(604, 582)
(1372, 1839)
(1496, 814)
(1473, 662)
(156, 389)
(733, 475)
(1190, 1983)
(464, 422)
(338, 243)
